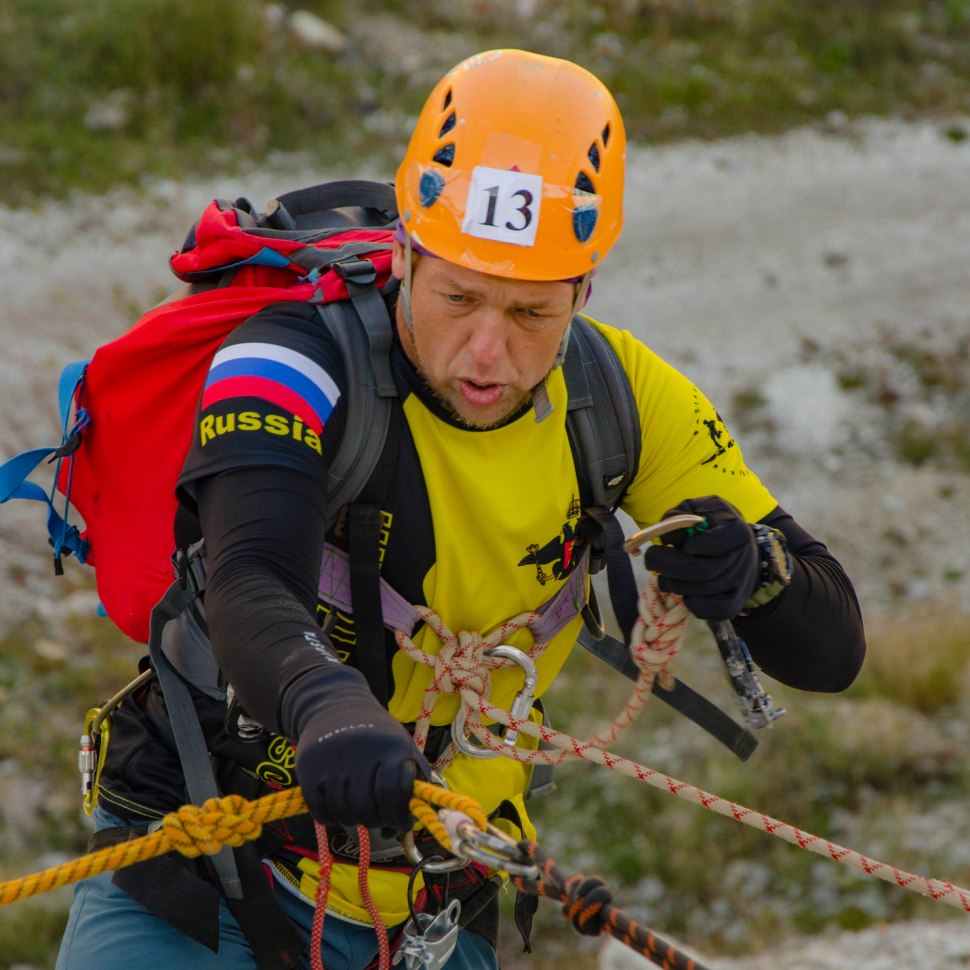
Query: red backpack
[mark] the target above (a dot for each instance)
(132, 407)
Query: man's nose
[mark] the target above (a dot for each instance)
(488, 340)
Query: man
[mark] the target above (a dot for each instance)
(510, 196)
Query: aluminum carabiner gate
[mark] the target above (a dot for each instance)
(521, 705)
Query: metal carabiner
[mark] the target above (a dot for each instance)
(638, 539)
(519, 710)
(491, 847)
(414, 856)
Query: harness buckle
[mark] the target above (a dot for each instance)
(190, 567)
(359, 271)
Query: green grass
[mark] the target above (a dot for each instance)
(112, 91)
(30, 935)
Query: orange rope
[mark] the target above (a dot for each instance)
(588, 905)
(192, 830)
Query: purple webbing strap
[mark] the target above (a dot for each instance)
(399, 614)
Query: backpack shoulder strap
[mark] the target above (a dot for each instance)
(361, 471)
(604, 431)
(362, 329)
(602, 419)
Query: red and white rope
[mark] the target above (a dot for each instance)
(323, 893)
(656, 639)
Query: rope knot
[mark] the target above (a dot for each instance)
(658, 632)
(588, 905)
(460, 664)
(195, 830)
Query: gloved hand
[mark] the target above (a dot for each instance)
(355, 763)
(715, 569)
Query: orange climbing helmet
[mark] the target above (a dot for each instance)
(515, 168)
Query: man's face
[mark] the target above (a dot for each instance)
(481, 342)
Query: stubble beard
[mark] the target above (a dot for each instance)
(448, 406)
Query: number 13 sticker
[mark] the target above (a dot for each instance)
(503, 206)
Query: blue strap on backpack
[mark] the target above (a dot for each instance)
(15, 472)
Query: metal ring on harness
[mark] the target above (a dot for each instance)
(519, 710)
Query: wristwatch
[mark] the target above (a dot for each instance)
(776, 566)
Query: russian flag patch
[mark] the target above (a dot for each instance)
(282, 377)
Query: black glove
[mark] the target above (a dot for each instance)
(715, 567)
(355, 763)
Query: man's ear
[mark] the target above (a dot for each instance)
(398, 260)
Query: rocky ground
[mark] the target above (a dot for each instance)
(905, 946)
(815, 285)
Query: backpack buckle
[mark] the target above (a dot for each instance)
(190, 567)
(361, 272)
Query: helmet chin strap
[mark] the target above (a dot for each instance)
(541, 404)
(404, 294)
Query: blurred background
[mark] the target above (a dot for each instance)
(797, 238)
(108, 91)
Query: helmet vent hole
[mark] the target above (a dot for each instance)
(448, 124)
(585, 184)
(445, 155)
(606, 136)
(446, 104)
(594, 156)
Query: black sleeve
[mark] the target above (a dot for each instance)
(264, 533)
(811, 636)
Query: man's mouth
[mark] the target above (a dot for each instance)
(480, 394)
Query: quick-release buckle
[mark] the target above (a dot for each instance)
(190, 567)
(361, 272)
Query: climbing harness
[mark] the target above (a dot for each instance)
(232, 820)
